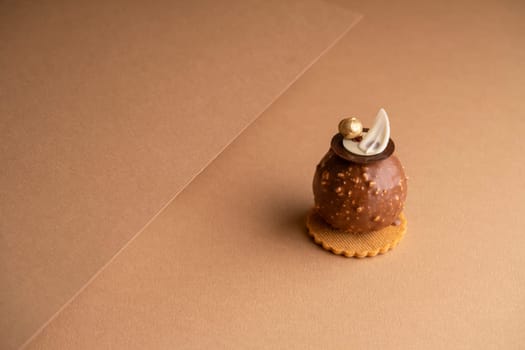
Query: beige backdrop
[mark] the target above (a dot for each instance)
(228, 263)
(108, 109)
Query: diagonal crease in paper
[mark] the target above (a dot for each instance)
(108, 110)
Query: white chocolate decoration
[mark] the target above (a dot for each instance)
(375, 140)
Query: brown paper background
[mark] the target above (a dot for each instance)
(228, 264)
(108, 109)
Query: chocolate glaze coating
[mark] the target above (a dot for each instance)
(359, 197)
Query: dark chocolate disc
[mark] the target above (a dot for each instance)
(341, 151)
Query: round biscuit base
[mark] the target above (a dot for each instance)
(358, 245)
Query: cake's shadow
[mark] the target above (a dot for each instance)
(295, 219)
(289, 216)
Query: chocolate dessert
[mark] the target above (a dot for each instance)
(359, 185)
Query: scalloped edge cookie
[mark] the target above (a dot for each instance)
(354, 245)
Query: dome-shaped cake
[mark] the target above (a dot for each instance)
(359, 185)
